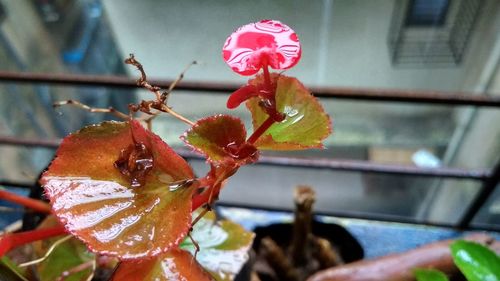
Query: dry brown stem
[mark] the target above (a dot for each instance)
(80, 105)
(324, 253)
(399, 267)
(277, 259)
(160, 104)
(304, 198)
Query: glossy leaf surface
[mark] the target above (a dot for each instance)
(267, 42)
(475, 261)
(224, 246)
(221, 138)
(306, 124)
(64, 257)
(96, 202)
(175, 265)
(429, 275)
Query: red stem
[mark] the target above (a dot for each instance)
(261, 130)
(33, 204)
(271, 119)
(206, 196)
(267, 77)
(200, 199)
(10, 241)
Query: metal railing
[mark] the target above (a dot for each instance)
(490, 178)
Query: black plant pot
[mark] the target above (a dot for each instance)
(349, 248)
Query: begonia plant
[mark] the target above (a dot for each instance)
(117, 190)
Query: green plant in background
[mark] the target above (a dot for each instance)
(429, 275)
(118, 190)
(475, 261)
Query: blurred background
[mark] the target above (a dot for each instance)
(429, 45)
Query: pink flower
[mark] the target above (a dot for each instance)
(261, 44)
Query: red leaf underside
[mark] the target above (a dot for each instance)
(176, 264)
(221, 137)
(97, 203)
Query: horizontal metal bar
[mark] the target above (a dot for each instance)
(364, 216)
(316, 163)
(17, 141)
(17, 184)
(417, 96)
(340, 214)
(361, 166)
(371, 167)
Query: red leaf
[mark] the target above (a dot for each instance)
(267, 42)
(221, 138)
(96, 203)
(176, 264)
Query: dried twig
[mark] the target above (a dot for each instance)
(324, 253)
(277, 259)
(49, 251)
(79, 268)
(80, 105)
(161, 97)
(151, 108)
(304, 198)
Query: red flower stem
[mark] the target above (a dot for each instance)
(204, 182)
(198, 201)
(261, 130)
(267, 77)
(33, 204)
(12, 240)
(271, 119)
(206, 196)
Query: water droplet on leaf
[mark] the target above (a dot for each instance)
(135, 162)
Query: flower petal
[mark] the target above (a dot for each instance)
(267, 42)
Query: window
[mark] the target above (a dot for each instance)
(431, 33)
(427, 12)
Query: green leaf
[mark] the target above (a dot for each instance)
(96, 202)
(175, 264)
(429, 275)
(476, 262)
(224, 246)
(9, 271)
(306, 124)
(221, 138)
(64, 257)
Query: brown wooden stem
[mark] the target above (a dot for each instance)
(277, 259)
(399, 267)
(304, 198)
(324, 253)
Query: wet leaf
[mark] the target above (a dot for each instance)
(97, 203)
(422, 274)
(306, 124)
(9, 271)
(475, 261)
(221, 138)
(224, 246)
(64, 257)
(174, 265)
